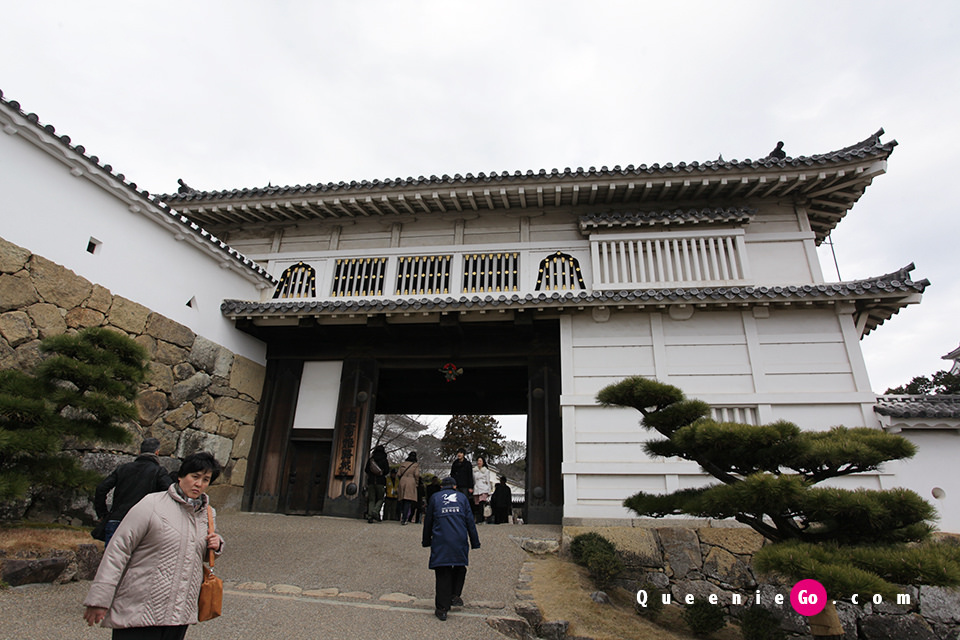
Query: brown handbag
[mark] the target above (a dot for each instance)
(210, 603)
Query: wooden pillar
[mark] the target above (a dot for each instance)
(544, 446)
(351, 440)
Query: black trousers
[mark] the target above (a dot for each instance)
(449, 584)
(151, 633)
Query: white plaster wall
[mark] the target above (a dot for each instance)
(802, 365)
(53, 214)
(934, 466)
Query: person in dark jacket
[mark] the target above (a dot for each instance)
(462, 471)
(501, 502)
(450, 532)
(130, 483)
(376, 482)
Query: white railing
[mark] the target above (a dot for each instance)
(668, 259)
(629, 261)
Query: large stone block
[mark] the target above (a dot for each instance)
(47, 318)
(163, 328)
(908, 627)
(12, 257)
(58, 285)
(225, 497)
(192, 441)
(17, 291)
(100, 299)
(160, 376)
(727, 569)
(18, 572)
(28, 355)
(171, 354)
(181, 417)
(681, 551)
(738, 541)
(128, 315)
(209, 422)
(238, 471)
(243, 441)
(8, 356)
(190, 388)
(81, 318)
(236, 409)
(940, 604)
(16, 328)
(150, 405)
(247, 376)
(204, 354)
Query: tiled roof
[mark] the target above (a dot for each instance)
(827, 185)
(947, 406)
(879, 298)
(867, 148)
(619, 219)
(145, 202)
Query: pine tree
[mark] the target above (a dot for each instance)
(84, 389)
(850, 540)
(940, 383)
(479, 435)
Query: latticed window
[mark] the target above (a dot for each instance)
(297, 281)
(743, 415)
(484, 272)
(359, 277)
(419, 275)
(559, 271)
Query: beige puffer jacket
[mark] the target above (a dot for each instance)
(151, 571)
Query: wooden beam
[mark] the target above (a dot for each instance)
(523, 197)
(437, 200)
(456, 200)
(385, 201)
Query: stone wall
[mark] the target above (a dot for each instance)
(198, 395)
(706, 561)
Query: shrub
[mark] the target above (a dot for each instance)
(654, 602)
(585, 543)
(704, 618)
(757, 623)
(603, 567)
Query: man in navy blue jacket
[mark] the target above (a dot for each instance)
(450, 532)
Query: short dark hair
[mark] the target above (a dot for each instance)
(149, 445)
(200, 461)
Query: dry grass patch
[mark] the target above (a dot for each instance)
(562, 591)
(23, 538)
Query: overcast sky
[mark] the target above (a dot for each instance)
(238, 94)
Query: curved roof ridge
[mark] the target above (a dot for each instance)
(867, 146)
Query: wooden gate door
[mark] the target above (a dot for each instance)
(306, 482)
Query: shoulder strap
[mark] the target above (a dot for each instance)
(210, 554)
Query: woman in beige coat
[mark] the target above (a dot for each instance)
(409, 476)
(149, 578)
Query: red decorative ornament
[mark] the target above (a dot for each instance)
(450, 371)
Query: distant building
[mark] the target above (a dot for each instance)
(501, 293)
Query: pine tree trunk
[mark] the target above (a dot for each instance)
(826, 624)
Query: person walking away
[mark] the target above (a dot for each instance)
(482, 486)
(462, 471)
(408, 477)
(130, 483)
(421, 502)
(450, 532)
(376, 469)
(390, 498)
(501, 502)
(149, 579)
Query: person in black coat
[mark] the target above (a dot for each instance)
(450, 532)
(501, 502)
(130, 483)
(376, 482)
(462, 471)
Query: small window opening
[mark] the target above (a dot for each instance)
(93, 245)
(192, 302)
